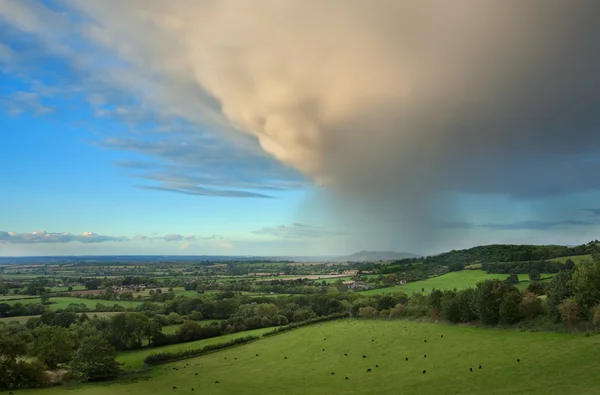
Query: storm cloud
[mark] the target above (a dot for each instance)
(390, 104)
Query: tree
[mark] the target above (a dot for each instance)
(512, 278)
(558, 290)
(367, 312)
(586, 284)
(53, 345)
(385, 302)
(531, 306)
(95, 360)
(434, 302)
(93, 284)
(509, 308)
(570, 312)
(488, 299)
(450, 308)
(596, 317)
(535, 276)
(70, 289)
(569, 264)
(536, 288)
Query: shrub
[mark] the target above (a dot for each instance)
(531, 306)
(570, 312)
(367, 312)
(154, 359)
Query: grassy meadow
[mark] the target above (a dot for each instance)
(62, 302)
(459, 280)
(576, 258)
(295, 363)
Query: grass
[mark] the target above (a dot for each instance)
(575, 258)
(66, 289)
(63, 302)
(135, 358)
(551, 363)
(21, 319)
(459, 280)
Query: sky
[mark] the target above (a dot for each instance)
(296, 128)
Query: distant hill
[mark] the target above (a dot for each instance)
(376, 256)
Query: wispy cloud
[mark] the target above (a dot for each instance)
(296, 231)
(38, 237)
(49, 237)
(200, 191)
(19, 102)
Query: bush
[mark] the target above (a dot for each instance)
(531, 306)
(305, 323)
(367, 312)
(570, 312)
(155, 359)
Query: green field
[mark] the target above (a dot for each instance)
(63, 302)
(66, 289)
(551, 363)
(576, 258)
(21, 319)
(135, 358)
(459, 280)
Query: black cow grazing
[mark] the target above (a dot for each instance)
(425, 341)
(407, 359)
(284, 357)
(235, 358)
(347, 378)
(372, 340)
(518, 360)
(174, 387)
(324, 338)
(425, 356)
(323, 349)
(216, 382)
(192, 389)
(471, 369)
(332, 373)
(442, 336)
(195, 374)
(376, 366)
(480, 366)
(364, 356)
(345, 354)
(257, 355)
(424, 371)
(225, 357)
(368, 370)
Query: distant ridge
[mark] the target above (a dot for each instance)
(376, 256)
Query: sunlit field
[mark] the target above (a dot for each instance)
(313, 360)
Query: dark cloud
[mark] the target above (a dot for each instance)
(391, 104)
(595, 212)
(296, 231)
(538, 225)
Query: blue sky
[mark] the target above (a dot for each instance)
(125, 128)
